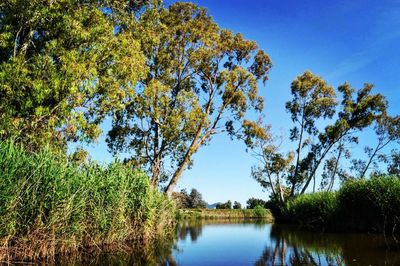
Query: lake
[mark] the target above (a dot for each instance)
(252, 243)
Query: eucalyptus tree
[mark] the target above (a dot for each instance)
(314, 103)
(387, 131)
(393, 167)
(202, 81)
(64, 67)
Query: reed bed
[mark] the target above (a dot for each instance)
(51, 206)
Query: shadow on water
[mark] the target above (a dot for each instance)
(251, 243)
(292, 246)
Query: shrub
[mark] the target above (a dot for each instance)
(259, 211)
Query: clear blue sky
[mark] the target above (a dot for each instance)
(356, 41)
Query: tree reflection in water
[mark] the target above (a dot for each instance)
(284, 245)
(291, 246)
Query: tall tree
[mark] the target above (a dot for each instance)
(63, 67)
(202, 81)
(393, 167)
(387, 131)
(314, 101)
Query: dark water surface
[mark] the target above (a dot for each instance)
(227, 243)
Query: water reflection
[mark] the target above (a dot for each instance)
(291, 246)
(282, 245)
(250, 243)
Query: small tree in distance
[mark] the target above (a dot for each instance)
(194, 200)
(253, 202)
(226, 205)
(237, 205)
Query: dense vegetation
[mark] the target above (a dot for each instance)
(169, 79)
(227, 214)
(359, 205)
(49, 204)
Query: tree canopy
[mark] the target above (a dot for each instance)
(287, 174)
(63, 68)
(201, 81)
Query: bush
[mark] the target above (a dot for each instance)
(259, 211)
(48, 204)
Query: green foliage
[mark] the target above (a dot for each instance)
(253, 202)
(316, 209)
(49, 205)
(63, 68)
(201, 79)
(372, 205)
(223, 214)
(237, 205)
(360, 205)
(259, 211)
(315, 103)
(226, 205)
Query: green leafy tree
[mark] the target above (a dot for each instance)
(63, 68)
(196, 200)
(237, 205)
(393, 167)
(202, 80)
(224, 206)
(314, 101)
(387, 130)
(253, 202)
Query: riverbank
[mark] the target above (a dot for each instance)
(51, 206)
(220, 214)
(371, 205)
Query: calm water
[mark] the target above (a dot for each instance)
(206, 243)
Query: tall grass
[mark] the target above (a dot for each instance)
(371, 205)
(317, 209)
(49, 206)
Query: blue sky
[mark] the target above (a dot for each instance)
(356, 41)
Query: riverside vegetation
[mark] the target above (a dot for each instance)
(358, 206)
(259, 213)
(49, 205)
(168, 79)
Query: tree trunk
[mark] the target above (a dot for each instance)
(177, 174)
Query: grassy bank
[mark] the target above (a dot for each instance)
(220, 214)
(361, 205)
(50, 206)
